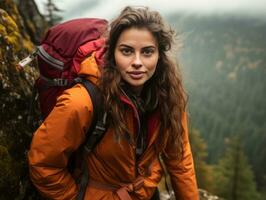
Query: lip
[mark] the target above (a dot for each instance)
(136, 74)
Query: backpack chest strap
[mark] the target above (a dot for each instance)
(61, 82)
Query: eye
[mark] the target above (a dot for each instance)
(148, 51)
(126, 51)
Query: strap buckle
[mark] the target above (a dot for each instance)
(60, 82)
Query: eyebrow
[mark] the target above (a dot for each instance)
(128, 46)
(124, 45)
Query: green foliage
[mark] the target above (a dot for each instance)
(199, 150)
(233, 175)
(224, 66)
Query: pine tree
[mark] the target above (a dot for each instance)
(199, 150)
(52, 13)
(233, 175)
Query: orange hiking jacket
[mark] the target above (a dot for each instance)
(114, 172)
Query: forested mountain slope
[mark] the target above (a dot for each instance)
(224, 62)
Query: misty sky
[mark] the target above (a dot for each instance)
(110, 8)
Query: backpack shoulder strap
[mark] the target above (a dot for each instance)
(98, 124)
(95, 99)
(95, 132)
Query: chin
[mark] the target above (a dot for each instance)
(134, 84)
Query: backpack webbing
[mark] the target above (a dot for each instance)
(95, 132)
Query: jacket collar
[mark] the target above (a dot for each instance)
(153, 119)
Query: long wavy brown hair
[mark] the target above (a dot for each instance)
(164, 91)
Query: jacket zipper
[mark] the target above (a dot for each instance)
(138, 124)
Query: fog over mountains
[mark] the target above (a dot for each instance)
(110, 8)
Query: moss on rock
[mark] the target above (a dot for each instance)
(15, 97)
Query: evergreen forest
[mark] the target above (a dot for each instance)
(223, 60)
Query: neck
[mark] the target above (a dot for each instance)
(136, 90)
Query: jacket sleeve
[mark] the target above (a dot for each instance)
(181, 171)
(59, 135)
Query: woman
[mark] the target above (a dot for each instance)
(145, 101)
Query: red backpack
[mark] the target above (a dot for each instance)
(60, 54)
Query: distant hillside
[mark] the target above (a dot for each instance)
(224, 62)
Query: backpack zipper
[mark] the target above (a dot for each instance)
(50, 59)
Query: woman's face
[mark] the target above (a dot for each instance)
(136, 56)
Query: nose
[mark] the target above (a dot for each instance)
(137, 63)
